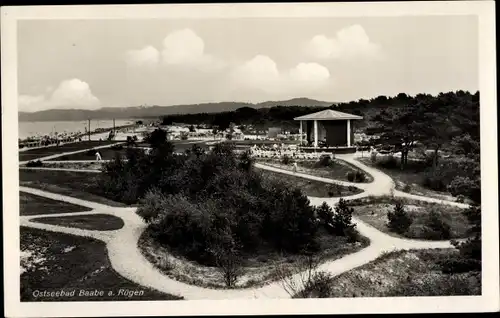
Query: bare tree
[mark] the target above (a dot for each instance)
(294, 279)
(229, 262)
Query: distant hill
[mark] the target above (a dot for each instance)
(157, 111)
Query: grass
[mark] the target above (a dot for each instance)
(31, 204)
(374, 212)
(259, 267)
(106, 154)
(80, 185)
(98, 222)
(409, 181)
(312, 187)
(404, 273)
(48, 151)
(53, 262)
(337, 170)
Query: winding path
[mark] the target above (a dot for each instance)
(127, 259)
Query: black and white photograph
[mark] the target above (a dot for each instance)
(336, 154)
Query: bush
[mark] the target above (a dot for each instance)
(342, 219)
(319, 285)
(373, 157)
(388, 162)
(34, 163)
(434, 181)
(90, 152)
(466, 187)
(359, 176)
(324, 161)
(407, 188)
(286, 160)
(399, 220)
(350, 176)
(440, 229)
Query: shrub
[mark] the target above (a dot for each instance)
(359, 176)
(319, 285)
(399, 220)
(325, 214)
(286, 160)
(433, 180)
(350, 176)
(440, 229)
(90, 152)
(388, 162)
(342, 219)
(324, 161)
(466, 187)
(34, 163)
(184, 136)
(373, 157)
(407, 188)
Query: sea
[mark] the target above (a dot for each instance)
(42, 128)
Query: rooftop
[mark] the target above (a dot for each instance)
(328, 114)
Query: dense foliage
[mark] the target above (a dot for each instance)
(212, 205)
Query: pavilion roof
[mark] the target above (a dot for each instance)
(328, 114)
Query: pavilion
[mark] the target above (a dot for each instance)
(332, 127)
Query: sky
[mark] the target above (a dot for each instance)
(89, 64)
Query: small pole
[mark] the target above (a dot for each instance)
(89, 129)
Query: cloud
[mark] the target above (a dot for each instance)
(148, 56)
(70, 94)
(180, 48)
(349, 43)
(262, 73)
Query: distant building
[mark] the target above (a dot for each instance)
(273, 132)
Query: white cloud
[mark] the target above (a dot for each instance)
(72, 93)
(350, 42)
(181, 48)
(262, 73)
(148, 56)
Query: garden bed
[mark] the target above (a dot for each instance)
(53, 262)
(74, 165)
(312, 187)
(402, 273)
(97, 222)
(338, 169)
(374, 210)
(31, 204)
(259, 268)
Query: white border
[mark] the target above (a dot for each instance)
(490, 299)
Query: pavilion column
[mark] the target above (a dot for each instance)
(348, 133)
(315, 134)
(300, 131)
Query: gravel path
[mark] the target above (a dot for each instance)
(127, 260)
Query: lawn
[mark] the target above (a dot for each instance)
(52, 262)
(374, 212)
(106, 154)
(312, 188)
(98, 222)
(409, 181)
(259, 268)
(81, 185)
(403, 273)
(30, 204)
(337, 170)
(32, 154)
